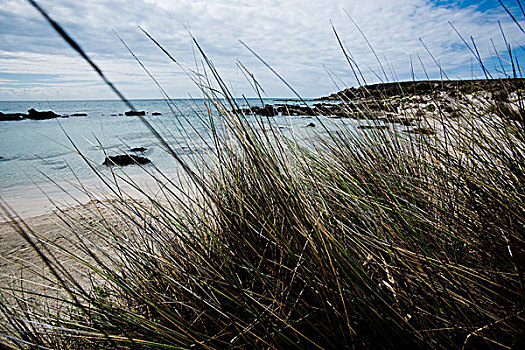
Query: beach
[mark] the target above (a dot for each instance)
(350, 175)
(298, 223)
(64, 219)
(22, 268)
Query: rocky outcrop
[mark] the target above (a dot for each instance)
(36, 115)
(33, 114)
(138, 149)
(125, 159)
(156, 113)
(11, 116)
(297, 110)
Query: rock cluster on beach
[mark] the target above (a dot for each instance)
(320, 109)
(407, 103)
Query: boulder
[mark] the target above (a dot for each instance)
(125, 159)
(156, 113)
(79, 115)
(296, 110)
(134, 113)
(36, 115)
(138, 149)
(268, 111)
(311, 125)
(11, 116)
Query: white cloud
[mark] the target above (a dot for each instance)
(294, 37)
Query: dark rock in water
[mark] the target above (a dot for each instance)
(311, 125)
(156, 113)
(139, 149)
(134, 113)
(64, 116)
(113, 115)
(125, 159)
(79, 115)
(36, 115)
(331, 110)
(12, 116)
(296, 110)
(120, 114)
(268, 111)
(1, 157)
(289, 110)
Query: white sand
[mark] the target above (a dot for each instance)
(19, 261)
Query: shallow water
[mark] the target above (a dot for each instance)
(36, 153)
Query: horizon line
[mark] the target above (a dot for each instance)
(157, 99)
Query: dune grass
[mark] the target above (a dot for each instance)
(379, 239)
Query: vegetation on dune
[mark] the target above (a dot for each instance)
(500, 87)
(379, 239)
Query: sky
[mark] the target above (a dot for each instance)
(411, 38)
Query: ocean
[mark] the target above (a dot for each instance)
(40, 156)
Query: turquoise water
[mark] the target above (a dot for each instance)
(33, 150)
(37, 151)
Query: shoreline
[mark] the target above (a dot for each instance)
(64, 229)
(32, 200)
